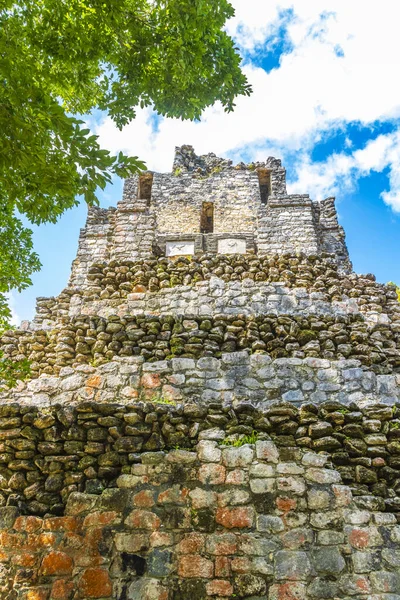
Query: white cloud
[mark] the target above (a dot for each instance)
(342, 68)
(341, 171)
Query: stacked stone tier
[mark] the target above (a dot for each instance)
(51, 452)
(223, 283)
(95, 340)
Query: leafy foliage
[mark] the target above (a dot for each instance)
(60, 59)
(13, 371)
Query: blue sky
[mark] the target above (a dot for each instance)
(326, 100)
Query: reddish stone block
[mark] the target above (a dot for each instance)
(56, 563)
(90, 393)
(222, 566)
(175, 379)
(191, 543)
(148, 394)
(266, 450)
(238, 517)
(25, 560)
(173, 495)
(61, 524)
(359, 538)
(219, 587)
(98, 519)
(362, 584)
(11, 540)
(288, 591)
(212, 474)
(139, 289)
(144, 499)
(27, 524)
(142, 519)
(62, 590)
(194, 565)
(95, 583)
(150, 381)
(285, 504)
(85, 561)
(43, 540)
(241, 564)
(94, 381)
(93, 537)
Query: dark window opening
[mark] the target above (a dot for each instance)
(207, 218)
(264, 179)
(144, 187)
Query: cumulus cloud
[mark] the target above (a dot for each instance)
(338, 66)
(341, 171)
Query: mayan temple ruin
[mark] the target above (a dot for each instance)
(213, 411)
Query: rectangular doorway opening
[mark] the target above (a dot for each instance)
(264, 180)
(144, 187)
(207, 217)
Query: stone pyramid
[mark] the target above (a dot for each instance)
(213, 406)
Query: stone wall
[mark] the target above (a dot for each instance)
(331, 234)
(218, 297)
(177, 201)
(94, 243)
(289, 219)
(236, 376)
(217, 522)
(97, 340)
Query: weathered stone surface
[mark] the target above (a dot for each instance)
(218, 426)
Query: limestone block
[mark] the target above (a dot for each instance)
(179, 248)
(232, 246)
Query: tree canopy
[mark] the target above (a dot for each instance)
(60, 59)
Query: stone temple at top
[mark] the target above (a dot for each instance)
(207, 205)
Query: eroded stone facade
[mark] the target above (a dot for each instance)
(213, 408)
(260, 217)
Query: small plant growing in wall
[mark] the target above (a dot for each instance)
(177, 172)
(397, 289)
(251, 438)
(217, 169)
(162, 400)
